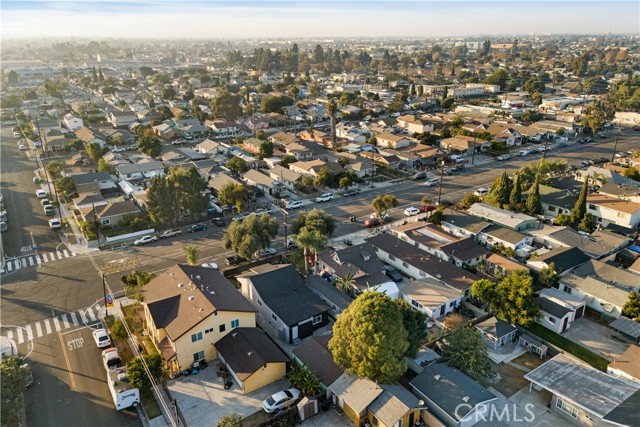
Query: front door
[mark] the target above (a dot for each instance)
(564, 326)
(411, 418)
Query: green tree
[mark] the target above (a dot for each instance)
(226, 105)
(310, 241)
(95, 151)
(382, 203)
(163, 203)
(266, 150)
(175, 195)
(498, 77)
(248, 236)
(468, 200)
(580, 208)
(549, 275)
(54, 169)
(533, 200)
(104, 166)
(315, 219)
(563, 220)
(233, 194)
(274, 103)
(632, 173)
(237, 165)
(133, 284)
(345, 283)
(230, 420)
(66, 187)
(169, 93)
(484, 290)
(369, 339)
(501, 190)
(324, 177)
(118, 330)
(345, 181)
(137, 374)
(514, 300)
(588, 223)
(436, 217)
(332, 109)
(14, 377)
(286, 160)
(149, 145)
(631, 307)
(193, 254)
(464, 350)
(515, 198)
(304, 380)
(415, 323)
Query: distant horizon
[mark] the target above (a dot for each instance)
(287, 20)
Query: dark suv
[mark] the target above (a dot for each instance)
(197, 227)
(234, 260)
(392, 273)
(352, 192)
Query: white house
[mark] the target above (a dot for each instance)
(386, 139)
(611, 210)
(72, 122)
(431, 297)
(558, 310)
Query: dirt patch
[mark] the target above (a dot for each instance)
(508, 381)
(530, 360)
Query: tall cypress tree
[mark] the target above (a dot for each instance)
(580, 209)
(515, 198)
(501, 190)
(533, 201)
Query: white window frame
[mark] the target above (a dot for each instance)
(316, 319)
(566, 408)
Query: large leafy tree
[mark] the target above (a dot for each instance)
(549, 275)
(230, 420)
(95, 151)
(248, 236)
(179, 193)
(464, 350)
(226, 105)
(528, 172)
(237, 165)
(163, 203)
(512, 299)
(310, 240)
(137, 374)
(415, 322)
(501, 190)
(66, 187)
(233, 194)
(382, 203)
(631, 308)
(13, 380)
(332, 109)
(190, 186)
(149, 145)
(315, 219)
(515, 198)
(369, 338)
(484, 290)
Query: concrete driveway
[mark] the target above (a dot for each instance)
(598, 338)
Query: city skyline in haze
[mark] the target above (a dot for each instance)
(300, 19)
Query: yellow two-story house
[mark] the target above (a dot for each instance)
(188, 309)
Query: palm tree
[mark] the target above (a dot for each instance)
(426, 200)
(193, 253)
(332, 109)
(346, 283)
(310, 241)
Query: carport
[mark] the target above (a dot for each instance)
(627, 327)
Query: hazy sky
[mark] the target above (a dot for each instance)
(237, 18)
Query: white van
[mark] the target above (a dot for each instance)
(524, 152)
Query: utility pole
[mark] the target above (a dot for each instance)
(473, 153)
(615, 146)
(112, 267)
(440, 186)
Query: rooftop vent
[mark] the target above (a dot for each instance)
(436, 377)
(212, 292)
(198, 277)
(439, 276)
(191, 297)
(250, 353)
(466, 398)
(180, 285)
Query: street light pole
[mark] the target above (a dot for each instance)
(615, 146)
(473, 153)
(440, 186)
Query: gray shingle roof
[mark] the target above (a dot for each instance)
(564, 258)
(462, 220)
(495, 327)
(548, 306)
(314, 353)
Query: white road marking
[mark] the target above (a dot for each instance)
(47, 326)
(65, 321)
(29, 332)
(20, 336)
(56, 324)
(38, 329)
(74, 319)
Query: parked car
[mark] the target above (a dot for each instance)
(54, 223)
(234, 259)
(45, 201)
(218, 221)
(49, 210)
(101, 337)
(291, 244)
(427, 208)
(22, 147)
(411, 211)
(481, 192)
(263, 211)
(620, 154)
(144, 240)
(503, 157)
(41, 194)
(419, 176)
(210, 265)
(295, 204)
(324, 197)
(239, 217)
(197, 227)
(431, 182)
(281, 400)
(267, 252)
(170, 233)
(392, 273)
(448, 171)
(352, 192)
(16, 134)
(524, 152)
(372, 222)
(3, 226)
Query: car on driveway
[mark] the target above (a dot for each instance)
(233, 259)
(352, 192)
(324, 197)
(481, 192)
(295, 204)
(267, 252)
(427, 208)
(281, 400)
(218, 221)
(144, 240)
(431, 182)
(22, 147)
(197, 227)
(54, 223)
(503, 157)
(392, 273)
(411, 211)
(101, 337)
(41, 194)
(170, 233)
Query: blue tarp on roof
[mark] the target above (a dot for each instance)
(634, 248)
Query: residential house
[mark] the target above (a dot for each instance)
(279, 294)
(627, 365)
(314, 354)
(72, 122)
(554, 201)
(148, 169)
(558, 310)
(165, 132)
(93, 182)
(89, 200)
(194, 131)
(415, 263)
(564, 259)
(188, 309)
(286, 176)
(496, 333)
(451, 397)
(598, 245)
(611, 212)
(414, 124)
(461, 224)
(312, 167)
(121, 118)
(464, 145)
(496, 235)
(337, 300)
(361, 262)
(601, 176)
(431, 297)
(149, 116)
(508, 219)
(88, 136)
(223, 128)
(253, 145)
(261, 181)
(499, 265)
(282, 138)
(389, 140)
(252, 359)
(585, 396)
(208, 147)
(299, 151)
(218, 182)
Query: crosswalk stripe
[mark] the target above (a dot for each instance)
(82, 317)
(20, 336)
(47, 325)
(65, 321)
(45, 258)
(73, 254)
(38, 259)
(29, 332)
(74, 319)
(31, 261)
(59, 254)
(90, 315)
(9, 266)
(10, 334)
(38, 329)
(65, 253)
(56, 324)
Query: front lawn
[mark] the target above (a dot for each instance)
(569, 346)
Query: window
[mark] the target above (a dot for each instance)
(404, 264)
(567, 408)
(235, 323)
(622, 215)
(222, 327)
(552, 320)
(316, 319)
(592, 207)
(391, 257)
(452, 303)
(196, 337)
(198, 356)
(552, 208)
(567, 289)
(422, 274)
(208, 331)
(259, 302)
(105, 221)
(273, 316)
